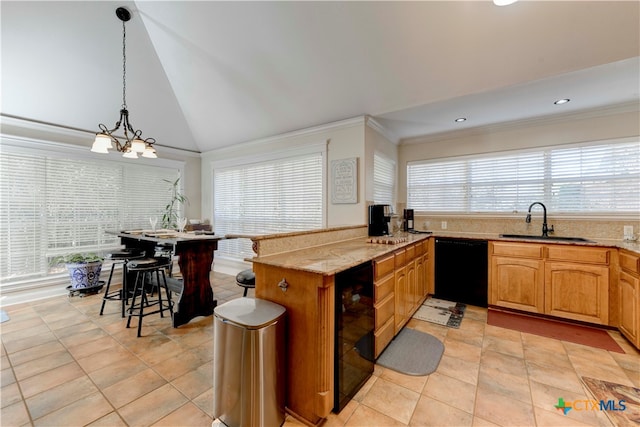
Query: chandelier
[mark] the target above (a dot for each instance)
(133, 144)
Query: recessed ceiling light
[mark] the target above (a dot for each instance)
(503, 2)
(460, 119)
(562, 101)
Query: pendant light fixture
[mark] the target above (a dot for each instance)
(133, 143)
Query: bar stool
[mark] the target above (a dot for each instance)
(144, 287)
(165, 250)
(246, 279)
(119, 257)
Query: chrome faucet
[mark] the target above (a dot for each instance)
(545, 229)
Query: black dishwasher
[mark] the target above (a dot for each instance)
(461, 270)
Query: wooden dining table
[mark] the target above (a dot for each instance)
(195, 256)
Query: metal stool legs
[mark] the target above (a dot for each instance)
(141, 298)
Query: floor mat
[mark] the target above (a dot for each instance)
(621, 403)
(559, 330)
(413, 353)
(441, 312)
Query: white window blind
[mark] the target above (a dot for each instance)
(273, 196)
(52, 205)
(601, 178)
(384, 179)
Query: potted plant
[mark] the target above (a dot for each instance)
(171, 210)
(84, 269)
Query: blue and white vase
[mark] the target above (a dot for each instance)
(84, 274)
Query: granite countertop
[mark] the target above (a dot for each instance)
(335, 257)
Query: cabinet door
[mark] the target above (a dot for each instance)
(400, 297)
(421, 280)
(410, 298)
(577, 291)
(630, 307)
(517, 283)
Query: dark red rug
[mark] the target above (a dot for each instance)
(564, 331)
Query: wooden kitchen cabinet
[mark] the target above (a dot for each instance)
(517, 283)
(384, 305)
(517, 276)
(571, 282)
(629, 296)
(577, 283)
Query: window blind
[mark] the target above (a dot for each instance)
(272, 196)
(384, 179)
(52, 205)
(601, 178)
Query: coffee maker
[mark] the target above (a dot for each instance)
(379, 217)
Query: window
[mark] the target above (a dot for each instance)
(602, 178)
(283, 194)
(55, 203)
(384, 179)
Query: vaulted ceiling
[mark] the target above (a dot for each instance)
(206, 74)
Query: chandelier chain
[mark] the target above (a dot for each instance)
(124, 66)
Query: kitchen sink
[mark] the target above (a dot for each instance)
(547, 238)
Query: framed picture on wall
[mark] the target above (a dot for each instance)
(344, 181)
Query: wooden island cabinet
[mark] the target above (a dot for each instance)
(305, 281)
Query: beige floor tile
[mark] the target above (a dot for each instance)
(461, 350)
(459, 369)
(456, 393)
(481, 422)
(51, 378)
(29, 342)
(366, 416)
(392, 400)
(153, 406)
(610, 371)
(104, 359)
(81, 412)
(112, 419)
(412, 382)
(10, 394)
(120, 369)
(43, 364)
(15, 415)
(7, 377)
(194, 383)
(185, 416)
(503, 345)
(431, 412)
(205, 402)
(561, 377)
(496, 408)
(127, 390)
(341, 418)
(60, 396)
(509, 386)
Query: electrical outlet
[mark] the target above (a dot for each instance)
(443, 225)
(628, 232)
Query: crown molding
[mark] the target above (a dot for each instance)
(373, 124)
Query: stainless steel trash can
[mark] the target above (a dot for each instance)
(249, 363)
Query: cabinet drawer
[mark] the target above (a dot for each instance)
(578, 254)
(383, 336)
(419, 249)
(524, 250)
(410, 253)
(401, 257)
(383, 266)
(384, 311)
(384, 287)
(629, 262)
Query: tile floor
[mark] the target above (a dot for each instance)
(64, 365)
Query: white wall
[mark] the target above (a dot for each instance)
(376, 140)
(345, 140)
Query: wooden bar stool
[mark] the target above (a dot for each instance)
(246, 279)
(144, 288)
(119, 257)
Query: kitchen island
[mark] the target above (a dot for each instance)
(298, 270)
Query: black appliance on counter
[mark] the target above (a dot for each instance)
(461, 271)
(354, 340)
(379, 217)
(407, 216)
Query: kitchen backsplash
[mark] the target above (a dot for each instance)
(591, 228)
